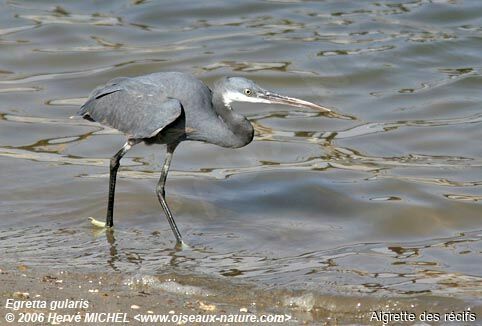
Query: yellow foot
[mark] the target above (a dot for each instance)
(182, 245)
(94, 222)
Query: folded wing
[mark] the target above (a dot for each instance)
(140, 110)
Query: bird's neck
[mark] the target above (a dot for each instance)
(240, 132)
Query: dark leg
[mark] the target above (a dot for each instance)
(114, 166)
(161, 194)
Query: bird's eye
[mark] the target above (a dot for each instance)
(248, 92)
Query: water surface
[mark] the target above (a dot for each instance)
(384, 204)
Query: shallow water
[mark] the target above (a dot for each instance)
(384, 204)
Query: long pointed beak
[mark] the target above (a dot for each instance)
(285, 100)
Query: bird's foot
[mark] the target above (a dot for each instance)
(97, 223)
(181, 245)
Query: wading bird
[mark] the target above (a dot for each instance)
(170, 107)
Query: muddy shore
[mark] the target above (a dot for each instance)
(95, 297)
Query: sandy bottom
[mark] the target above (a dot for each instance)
(68, 297)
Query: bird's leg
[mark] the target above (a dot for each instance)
(114, 166)
(161, 194)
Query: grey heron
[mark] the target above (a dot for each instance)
(170, 107)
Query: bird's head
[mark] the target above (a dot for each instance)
(238, 89)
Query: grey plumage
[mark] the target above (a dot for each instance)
(170, 107)
(143, 106)
(133, 106)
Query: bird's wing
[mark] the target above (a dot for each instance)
(140, 110)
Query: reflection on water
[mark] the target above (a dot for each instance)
(416, 268)
(382, 199)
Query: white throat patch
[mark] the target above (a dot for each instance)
(230, 97)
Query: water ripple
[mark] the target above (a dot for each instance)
(99, 20)
(378, 203)
(19, 79)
